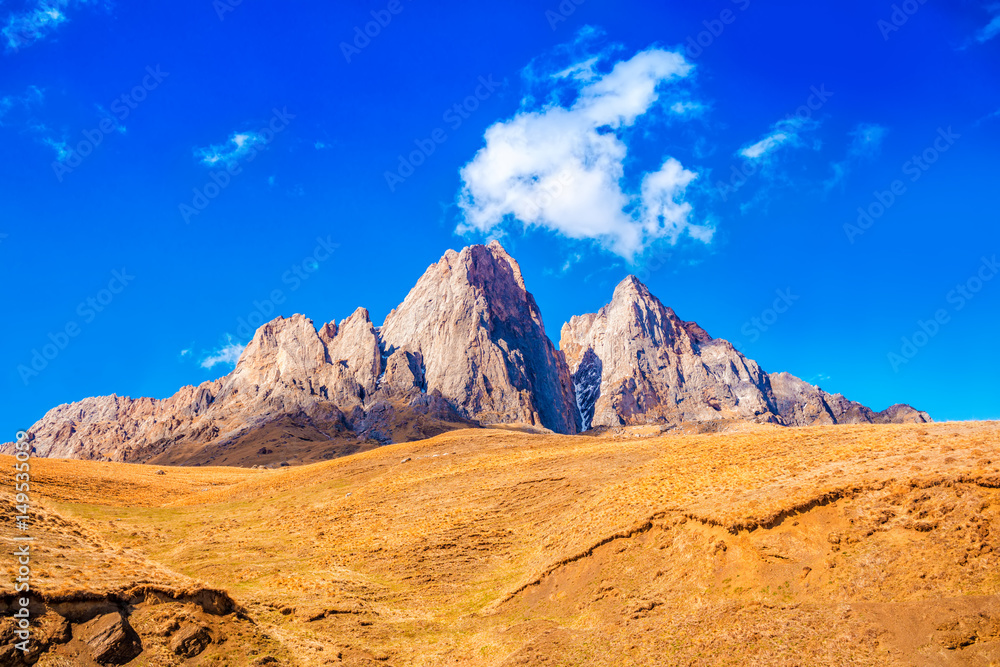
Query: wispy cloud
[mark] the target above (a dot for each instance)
(866, 143)
(786, 133)
(104, 113)
(989, 116)
(38, 20)
(559, 164)
(991, 29)
(818, 378)
(228, 354)
(32, 97)
(62, 149)
(988, 31)
(687, 107)
(239, 145)
(20, 111)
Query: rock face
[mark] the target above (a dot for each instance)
(481, 341)
(466, 347)
(802, 404)
(292, 386)
(636, 362)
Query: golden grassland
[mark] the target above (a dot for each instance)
(761, 545)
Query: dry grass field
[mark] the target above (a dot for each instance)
(754, 545)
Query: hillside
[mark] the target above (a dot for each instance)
(757, 544)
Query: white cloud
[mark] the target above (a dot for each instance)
(228, 354)
(788, 132)
(687, 107)
(38, 20)
(239, 145)
(766, 145)
(560, 165)
(989, 31)
(866, 143)
(62, 150)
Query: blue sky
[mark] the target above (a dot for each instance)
(815, 183)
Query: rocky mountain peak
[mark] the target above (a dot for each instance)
(636, 362)
(480, 336)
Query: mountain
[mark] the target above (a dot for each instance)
(636, 362)
(802, 404)
(482, 343)
(296, 393)
(467, 347)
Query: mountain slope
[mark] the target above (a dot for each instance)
(852, 545)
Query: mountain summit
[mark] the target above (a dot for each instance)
(466, 347)
(482, 343)
(636, 362)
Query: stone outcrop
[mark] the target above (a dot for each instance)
(636, 362)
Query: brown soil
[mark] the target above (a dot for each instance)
(756, 545)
